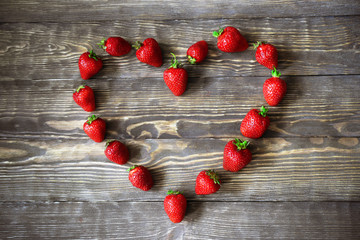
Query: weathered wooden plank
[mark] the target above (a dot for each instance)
(80, 10)
(307, 46)
(295, 169)
(211, 107)
(203, 220)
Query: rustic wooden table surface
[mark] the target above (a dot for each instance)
(303, 182)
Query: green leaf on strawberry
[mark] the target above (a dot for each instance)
(212, 174)
(218, 33)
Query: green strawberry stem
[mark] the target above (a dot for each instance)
(191, 60)
(213, 175)
(241, 144)
(137, 45)
(91, 119)
(218, 33)
(257, 44)
(174, 62)
(102, 44)
(108, 142)
(275, 73)
(174, 192)
(92, 55)
(263, 111)
(79, 88)
(132, 168)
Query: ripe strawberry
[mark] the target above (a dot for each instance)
(116, 152)
(115, 46)
(140, 177)
(149, 52)
(89, 65)
(84, 97)
(255, 123)
(274, 88)
(197, 52)
(266, 54)
(176, 77)
(230, 40)
(95, 128)
(175, 206)
(207, 182)
(236, 155)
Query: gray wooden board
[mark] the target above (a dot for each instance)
(294, 169)
(307, 46)
(203, 220)
(100, 10)
(210, 108)
(303, 182)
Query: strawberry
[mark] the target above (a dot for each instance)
(274, 88)
(255, 123)
(175, 206)
(149, 52)
(95, 128)
(176, 77)
(116, 152)
(140, 177)
(89, 65)
(230, 40)
(115, 46)
(197, 52)
(266, 54)
(207, 182)
(236, 155)
(84, 97)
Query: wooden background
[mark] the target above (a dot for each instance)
(303, 182)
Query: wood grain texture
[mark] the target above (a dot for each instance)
(307, 46)
(303, 182)
(210, 108)
(100, 10)
(315, 169)
(204, 220)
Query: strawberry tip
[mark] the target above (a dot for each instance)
(263, 111)
(137, 45)
(79, 88)
(108, 142)
(241, 144)
(218, 33)
(174, 62)
(132, 168)
(91, 119)
(275, 73)
(191, 60)
(92, 55)
(213, 175)
(171, 192)
(102, 44)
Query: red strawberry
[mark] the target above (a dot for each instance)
(116, 152)
(175, 206)
(230, 40)
(255, 123)
(95, 128)
(149, 52)
(197, 52)
(266, 54)
(207, 182)
(84, 97)
(274, 88)
(236, 155)
(176, 77)
(140, 177)
(115, 46)
(89, 65)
